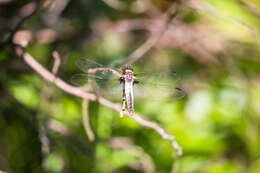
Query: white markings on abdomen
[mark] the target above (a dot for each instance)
(129, 96)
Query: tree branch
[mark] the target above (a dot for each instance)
(204, 6)
(35, 7)
(161, 26)
(86, 123)
(57, 61)
(124, 143)
(44, 73)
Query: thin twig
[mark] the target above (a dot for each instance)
(43, 72)
(94, 70)
(20, 23)
(50, 77)
(124, 143)
(145, 47)
(2, 171)
(249, 6)
(118, 5)
(204, 6)
(45, 94)
(56, 8)
(5, 1)
(161, 26)
(57, 61)
(175, 164)
(86, 123)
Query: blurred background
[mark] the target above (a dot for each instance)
(212, 44)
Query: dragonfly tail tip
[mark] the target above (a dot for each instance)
(121, 114)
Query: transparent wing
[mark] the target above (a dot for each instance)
(105, 81)
(158, 92)
(107, 86)
(166, 78)
(158, 86)
(84, 79)
(114, 93)
(101, 77)
(85, 64)
(154, 86)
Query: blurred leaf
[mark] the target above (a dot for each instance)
(54, 163)
(26, 94)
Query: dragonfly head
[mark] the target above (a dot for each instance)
(126, 67)
(128, 72)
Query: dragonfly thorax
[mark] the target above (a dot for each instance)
(128, 76)
(128, 73)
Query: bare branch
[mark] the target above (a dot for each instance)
(118, 5)
(249, 6)
(57, 127)
(57, 60)
(34, 8)
(145, 47)
(124, 143)
(2, 171)
(45, 95)
(29, 60)
(86, 123)
(5, 1)
(44, 141)
(175, 164)
(191, 38)
(203, 6)
(50, 77)
(156, 32)
(56, 8)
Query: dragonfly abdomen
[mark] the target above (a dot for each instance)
(129, 96)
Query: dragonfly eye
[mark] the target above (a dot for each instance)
(123, 68)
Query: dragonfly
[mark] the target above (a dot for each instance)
(142, 84)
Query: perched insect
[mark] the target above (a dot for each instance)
(143, 85)
(128, 80)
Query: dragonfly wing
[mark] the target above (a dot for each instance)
(107, 80)
(84, 79)
(113, 94)
(166, 78)
(85, 64)
(158, 92)
(158, 86)
(101, 77)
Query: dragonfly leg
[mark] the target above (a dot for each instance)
(124, 102)
(131, 113)
(121, 114)
(123, 108)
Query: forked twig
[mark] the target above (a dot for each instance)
(44, 73)
(161, 26)
(52, 78)
(86, 123)
(126, 144)
(20, 23)
(45, 94)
